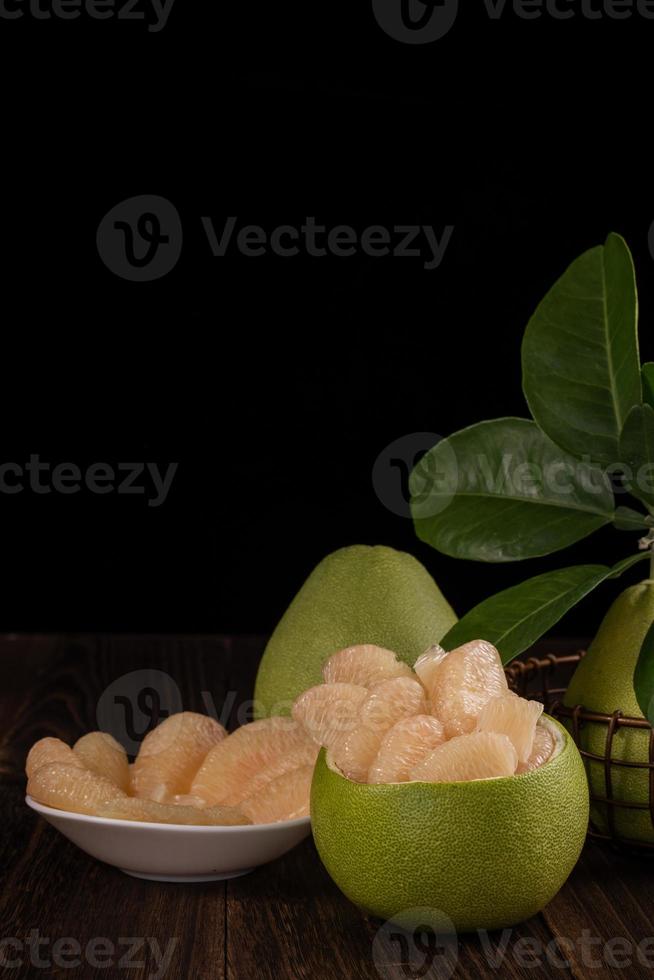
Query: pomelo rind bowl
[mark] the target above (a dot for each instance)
(176, 852)
(483, 854)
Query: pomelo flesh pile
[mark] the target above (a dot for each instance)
(365, 664)
(427, 665)
(403, 746)
(330, 711)
(47, 751)
(462, 682)
(133, 808)
(103, 755)
(514, 717)
(251, 756)
(171, 753)
(542, 749)
(480, 755)
(283, 798)
(388, 702)
(266, 765)
(451, 719)
(73, 788)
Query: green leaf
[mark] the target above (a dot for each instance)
(647, 373)
(628, 519)
(502, 491)
(514, 619)
(644, 677)
(626, 563)
(637, 453)
(580, 364)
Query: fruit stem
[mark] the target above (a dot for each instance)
(647, 544)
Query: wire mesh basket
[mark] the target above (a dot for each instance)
(546, 679)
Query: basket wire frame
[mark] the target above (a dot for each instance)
(544, 678)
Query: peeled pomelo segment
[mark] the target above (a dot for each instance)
(427, 663)
(403, 746)
(171, 754)
(298, 758)
(514, 717)
(479, 755)
(364, 664)
(47, 751)
(249, 757)
(329, 712)
(131, 808)
(391, 701)
(463, 682)
(71, 787)
(387, 703)
(284, 798)
(184, 799)
(103, 755)
(354, 754)
(541, 750)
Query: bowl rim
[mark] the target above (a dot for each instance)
(48, 811)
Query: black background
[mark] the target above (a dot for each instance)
(275, 383)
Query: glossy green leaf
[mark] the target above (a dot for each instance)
(580, 364)
(628, 519)
(502, 491)
(514, 619)
(637, 453)
(626, 563)
(644, 677)
(648, 383)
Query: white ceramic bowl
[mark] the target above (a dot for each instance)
(174, 852)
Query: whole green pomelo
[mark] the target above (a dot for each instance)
(485, 854)
(603, 682)
(355, 595)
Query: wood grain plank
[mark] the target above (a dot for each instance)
(284, 920)
(55, 892)
(288, 919)
(605, 913)
(22, 660)
(83, 671)
(51, 885)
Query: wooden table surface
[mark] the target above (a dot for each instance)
(64, 914)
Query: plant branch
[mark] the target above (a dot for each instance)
(647, 544)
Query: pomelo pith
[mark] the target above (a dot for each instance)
(486, 854)
(603, 682)
(357, 595)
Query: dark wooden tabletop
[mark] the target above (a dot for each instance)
(64, 914)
